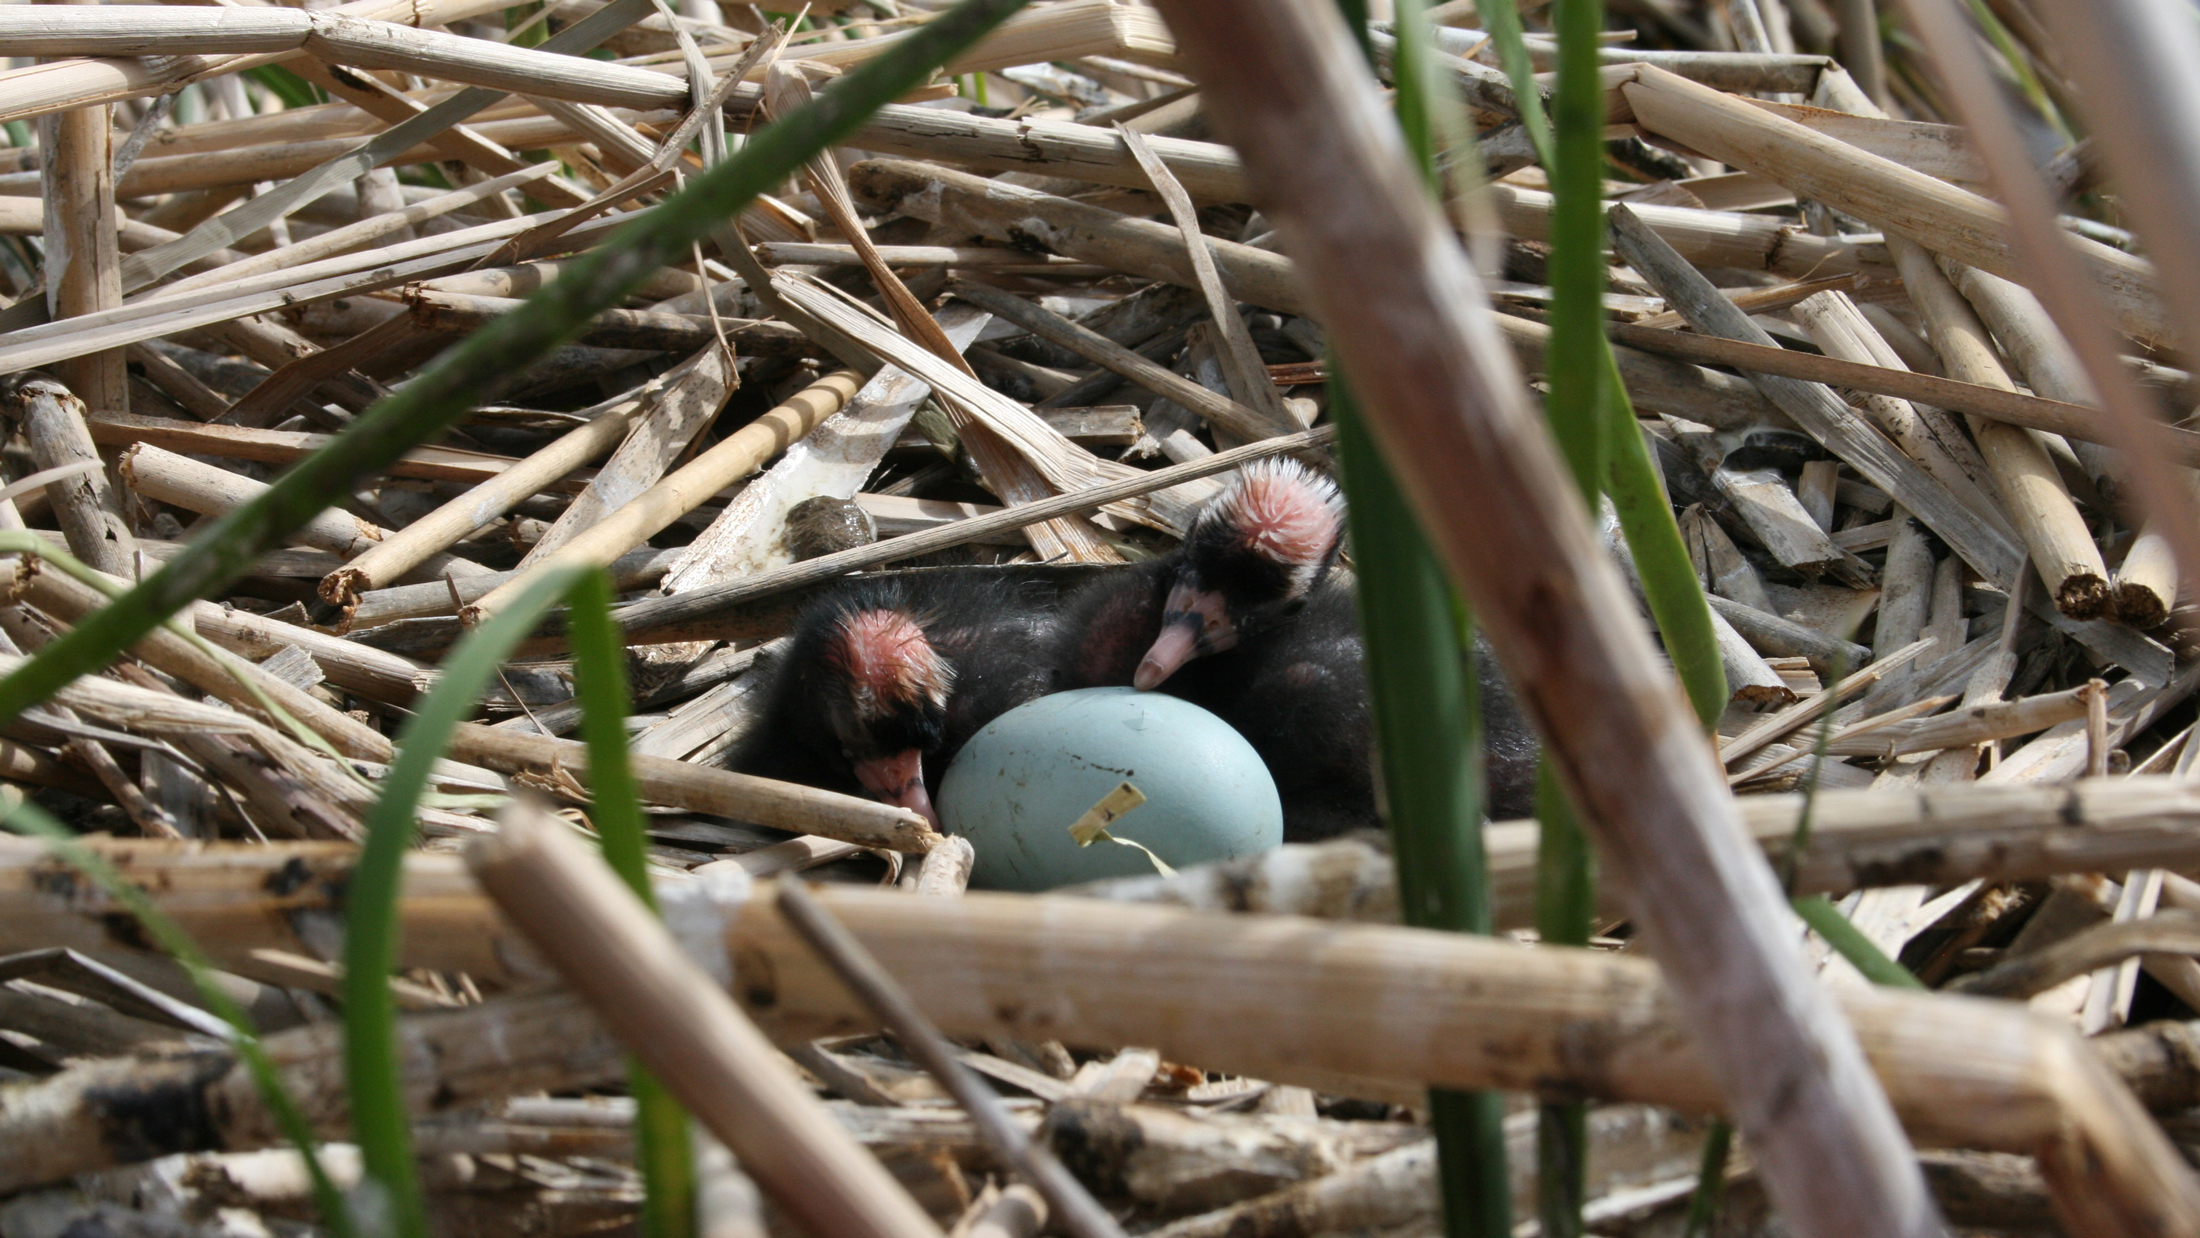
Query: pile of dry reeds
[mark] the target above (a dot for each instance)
(1925, 449)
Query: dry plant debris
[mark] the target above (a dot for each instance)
(977, 339)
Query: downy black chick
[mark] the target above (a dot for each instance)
(885, 680)
(1250, 620)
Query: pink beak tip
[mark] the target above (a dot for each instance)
(915, 798)
(1177, 644)
(899, 780)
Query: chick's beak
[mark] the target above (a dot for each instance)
(899, 780)
(1194, 623)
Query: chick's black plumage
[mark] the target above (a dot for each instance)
(1291, 675)
(1296, 690)
(906, 668)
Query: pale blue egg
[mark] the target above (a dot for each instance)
(1020, 783)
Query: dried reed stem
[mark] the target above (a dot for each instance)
(1403, 308)
(670, 1014)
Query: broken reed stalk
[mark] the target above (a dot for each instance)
(2146, 581)
(1405, 311)
(1073, 1207)
(82, 269)
(1965, 1073)
(689, 487)
(1750, 679)
(162, 475)
(454, 383)
(2031, 489)
(416, 543)
(1860, 839)
(86, 504)
(674, 1016)
(1787, 638)
(2067, 272)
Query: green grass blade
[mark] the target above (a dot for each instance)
(292, 89)
(1428, 717)
(1576, 371)
(1565, 910)
(1668, 578)
(522, 30)
(663, 1151)
(2020, 66)
(378, 1117)
(1565, 876)
(1502, 19)
(599, 671)
(169, 936)
(1561, 1140)
(463, 375)
(1429, 726)
(1581, 381)
(1427, 711)
(1849, 941)
(1430, 112)
(1703, 1203)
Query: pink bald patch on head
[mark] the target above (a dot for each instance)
(889, 661)
(1284, 511)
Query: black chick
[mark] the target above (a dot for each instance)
(1296, 689)
(884, 681)
(1249, 620)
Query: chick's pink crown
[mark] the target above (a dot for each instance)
(888, 660)
(1283, 510)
